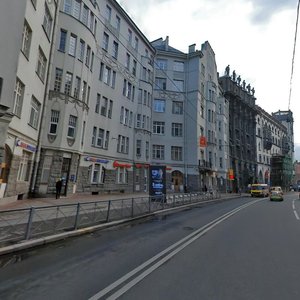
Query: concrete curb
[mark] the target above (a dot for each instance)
(64, 235)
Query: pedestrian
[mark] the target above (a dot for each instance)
(58, 188)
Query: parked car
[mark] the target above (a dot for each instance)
(276, 193)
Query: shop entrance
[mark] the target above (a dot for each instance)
(65, 170)
(177, 181)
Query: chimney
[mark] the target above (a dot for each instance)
(167, 43)
(192, 48)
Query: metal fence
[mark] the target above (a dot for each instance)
(24, 224)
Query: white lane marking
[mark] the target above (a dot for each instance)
(294, 209)
(181, 244)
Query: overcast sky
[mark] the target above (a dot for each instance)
(255, 37)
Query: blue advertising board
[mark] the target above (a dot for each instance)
(157, 182)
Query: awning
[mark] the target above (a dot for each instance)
(117, 164)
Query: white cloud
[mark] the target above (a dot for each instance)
(254, 36)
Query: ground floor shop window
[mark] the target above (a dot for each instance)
(122, 175)
(97, 173)
(25, 166)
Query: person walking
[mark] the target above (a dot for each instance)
(58, 188)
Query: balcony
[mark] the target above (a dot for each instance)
(204, 165)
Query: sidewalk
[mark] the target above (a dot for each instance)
(69, 199)
(80, 198)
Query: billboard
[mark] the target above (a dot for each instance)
(157, 182)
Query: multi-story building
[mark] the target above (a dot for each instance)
(186, 108)
(286, 159)
(97, 120)
(216, 125)
(25, 57)
(242, 126)
(270, 133)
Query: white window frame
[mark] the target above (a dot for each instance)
(26, 39)
(72, 127)
(41, 65)
(54, 120)
(18, 97)
(34, 112)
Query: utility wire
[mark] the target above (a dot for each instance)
(293, 59)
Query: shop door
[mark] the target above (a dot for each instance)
(65, 170)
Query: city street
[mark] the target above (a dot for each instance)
(244, 248)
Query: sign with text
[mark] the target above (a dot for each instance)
(157, 180)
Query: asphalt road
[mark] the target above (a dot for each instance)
(239, 249)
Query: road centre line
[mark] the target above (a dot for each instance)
(295, 212)
(163, 256)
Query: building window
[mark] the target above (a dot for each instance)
(159, 105)
(96, 173)
(147, 150)
(138, 120)
(123, 144)
(100, 138)
(77, 9)
(129, 36)
(47, 24)
(41, 65)
(62, 41)
(68, 6)
(84, 90)
(110, 108)
(18, 97)
(115, 50)
(26, 39)
(136, 44)
(92, 18)
(134, 67)
(81, 50)
(72, 127)
(106, 142)
(177, 108)
(77, 87)
(127, 61)
(106, 75)
(176, 153)
(118, 23)
(158, 127)
(94, 135)
(108, 13)
(34, 112)
(72, 45)
(105, 41)
(161, 64)
(113, 80)
(97, 107)
(178, 66)
(25, 166)
(158, 152)
(221, 163)
(54, 122)
(122, 175)
(88, 55)
(178, 85)
(177, 129)
(68, 83)
(85, 15)
(138, 149)
(104, 107)
(58, 80)
(160, 83)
